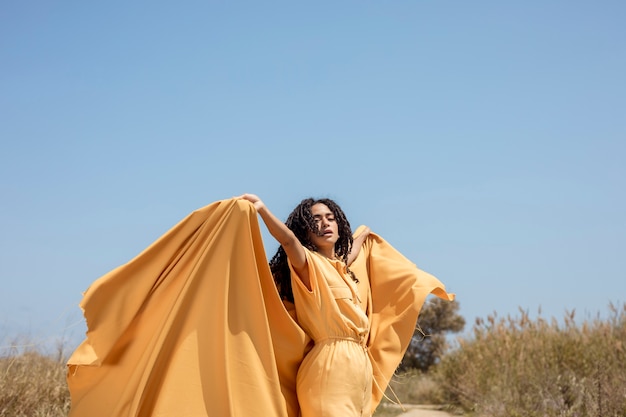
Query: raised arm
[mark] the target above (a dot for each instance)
(287, 239)
(357, 244)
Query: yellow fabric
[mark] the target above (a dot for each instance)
(335, 378)
(392, 291)
(194, 325)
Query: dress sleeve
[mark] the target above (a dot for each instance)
(398, 291)
(300, 291)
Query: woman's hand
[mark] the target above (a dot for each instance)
(290, 243)
(362, 236)
(254, 199)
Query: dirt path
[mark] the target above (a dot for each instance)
(423, 411)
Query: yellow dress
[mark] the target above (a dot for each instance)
(194, 325)
(335, 377)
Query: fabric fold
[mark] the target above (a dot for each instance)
(183, 329)
(397, 291)
(194, 324)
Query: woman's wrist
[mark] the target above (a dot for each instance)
(259, 205)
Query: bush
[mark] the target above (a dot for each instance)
(33, 384)
(437, 318)
(522, 367)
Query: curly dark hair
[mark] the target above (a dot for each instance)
(301, 222)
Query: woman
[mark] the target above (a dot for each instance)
(194, 324)
(311, 269)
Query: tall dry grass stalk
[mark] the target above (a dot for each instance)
(509, 367)
(32, 384)
(518, 367)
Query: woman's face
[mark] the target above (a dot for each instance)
(326, 226)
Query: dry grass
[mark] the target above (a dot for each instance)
(526, 368)
(387, 410)
(509, 367)
(33, 384)
(413, 387)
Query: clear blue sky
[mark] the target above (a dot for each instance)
(485, 140)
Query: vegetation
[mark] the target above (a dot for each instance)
(33, 384)
(412, 387)
(513, 367)
(522, 367)
(413, 384)
(437, 318)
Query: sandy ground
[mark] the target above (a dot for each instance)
(423, 411)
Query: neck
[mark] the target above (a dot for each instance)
(327, 252)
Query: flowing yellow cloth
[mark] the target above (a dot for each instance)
(194, 326)
(395, 295)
